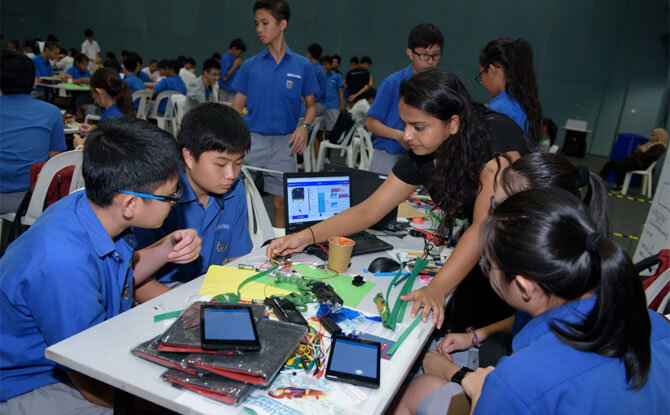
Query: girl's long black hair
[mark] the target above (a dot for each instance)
(109, 80)
(460, 158)
(516, 58)
(547, 236)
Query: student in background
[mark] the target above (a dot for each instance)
(171, 82)
(78, 72)
(357, 81)
(66, 62)
(76, 267)
(30, 48)
(230, 62)
(152, 70)
(335, 64)
(135, 84)
(43, 68)
(111, 62)
(360, 109)
(200, 90)
(216, 56)
(547, 135)
(424, 50)
(506, 71)
(91, 48)
(314, 54)
(111, 93)
(353, 65)
(213, 140)
(187, 72)
(334, 95)
(366, 63)
(31, 130)
(144, 77)
(13, 45)
(271, 85)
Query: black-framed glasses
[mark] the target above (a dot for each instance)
(478, 78)
(172, 200)
(425, 56)
(486, 267)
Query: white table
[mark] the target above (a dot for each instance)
(103, 351)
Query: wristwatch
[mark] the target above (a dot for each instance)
(458, 376)
(307, 126)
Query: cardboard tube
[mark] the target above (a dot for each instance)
(339, 253)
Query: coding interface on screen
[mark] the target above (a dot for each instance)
(316, 198)
(227, 324)
(355, 358)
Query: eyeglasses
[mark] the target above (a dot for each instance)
(425, 56)
(172, 200)
(478, 78)
(486, 267)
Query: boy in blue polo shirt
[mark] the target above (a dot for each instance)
(314, 52)
(43, 68)
(31, 131)
(334, 94)
(129, 68)
(172, 81)
(230, 62)
(271, 85)
(76, 265)
(79, 70)
(213, 139)
(424, 49)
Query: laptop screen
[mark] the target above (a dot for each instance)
(312, 198)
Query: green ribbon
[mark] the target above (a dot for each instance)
(400, 305)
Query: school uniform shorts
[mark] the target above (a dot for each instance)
(271, 152)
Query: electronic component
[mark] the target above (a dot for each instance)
(329, 324)
(285, 310)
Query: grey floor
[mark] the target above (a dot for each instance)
(627, 216)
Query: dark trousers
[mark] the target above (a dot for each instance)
(619, 167)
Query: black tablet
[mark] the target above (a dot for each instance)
(228, 327)
(354, 361)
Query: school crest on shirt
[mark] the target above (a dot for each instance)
(289, 84)
(221, 246)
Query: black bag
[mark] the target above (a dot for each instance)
(575, 143)
(343, 124)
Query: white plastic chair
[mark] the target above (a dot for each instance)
(554, 148)
(179, 102)
(90, 117)
(363, 149)
(647, 180)
(346, 145)
(49, 170)
(260, 225)
(143, 96)
(165, 121)
(309, 159)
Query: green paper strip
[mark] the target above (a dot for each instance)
(399, 307)
(404, 335)
(165, 316)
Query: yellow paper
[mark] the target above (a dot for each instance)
(222, 279)
(405, 210)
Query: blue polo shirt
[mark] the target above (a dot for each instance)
(333, 83)
(222, 227)
(385, 109)
(135, 84)
(75, 73)
(111, 112)
(62, 276)
(505, 104)
(544, 375)
(227, 61)
(172, 83)
(321, 76)
(29, 130)
(42, 68)
(274, 91)
(144, 77)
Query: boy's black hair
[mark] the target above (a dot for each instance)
(425, 35)
(369, 93)
(213, 127)
(52, 38)
(366, 59)
(88, 32)
(210, 64)
(163, 63)
(73, 51)
(191, 61)
(124, 52)
(127, 153)
(136, 56)
(170, 64)
(315, 50)
(354, 60)
(338, 57)
(51, 46)
(279, 9)
(216, 55)
(238, 43)
(17, 73)
(30, 43)
(80, 57)
(130, 63)
(15, 42)
(152, 61)
(325, 58)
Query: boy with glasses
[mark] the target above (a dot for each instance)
(424, 49)
(213, 141)
(77, 266)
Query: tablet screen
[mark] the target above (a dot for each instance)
(228, 324)
(355, 361)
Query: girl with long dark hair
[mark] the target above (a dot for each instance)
(506, 71)
(458, 152)
(110, 92)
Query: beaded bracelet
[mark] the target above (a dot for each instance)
(475, 339)
(312, 232)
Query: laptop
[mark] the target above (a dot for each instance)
(310, 198)
(363, 184)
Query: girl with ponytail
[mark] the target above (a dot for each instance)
(110, 92)
(506, 71)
